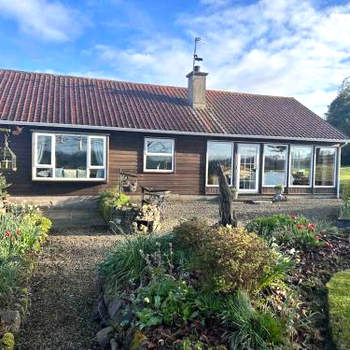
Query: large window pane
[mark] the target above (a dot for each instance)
(97, 151)
(219, 152)
(275, 165)
(71, 156)
(300, 167)
(43, 149)
(325, 166)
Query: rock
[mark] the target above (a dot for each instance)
(11, 320)
(8, 341)
(102, 312)
(104, 336)
(114, 307)
(114, 344)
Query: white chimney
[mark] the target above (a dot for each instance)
(196, 88)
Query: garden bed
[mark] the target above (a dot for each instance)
(265, 289)
(22, 232)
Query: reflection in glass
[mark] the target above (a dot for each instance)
(97, 151)
(71, 156)
(159, 146)
(248, 167)
(159, 162)
(300, 165)
(43, 149)
(219, 152)
(325, 166)
(275, 165)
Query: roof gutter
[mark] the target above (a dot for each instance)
(169, 132)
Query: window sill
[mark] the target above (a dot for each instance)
(68, 180)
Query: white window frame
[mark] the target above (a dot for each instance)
(285, 164)
(258, 148)
(146, 153)
(52, 166)
(335, 167)
(207, 163)
(311, 166)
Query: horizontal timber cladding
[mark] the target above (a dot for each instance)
(125, 152)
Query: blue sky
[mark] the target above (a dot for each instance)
(280, 47)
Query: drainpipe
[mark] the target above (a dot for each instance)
(338, 170)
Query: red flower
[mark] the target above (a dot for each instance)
(312, 225)
(18, 231)
(8, 233)
(328, 244)
(300, 226)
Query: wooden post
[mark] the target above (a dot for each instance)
(227, 215)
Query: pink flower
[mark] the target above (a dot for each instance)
(293, 216)
(300, 226)
(317, 237)
(8, 233)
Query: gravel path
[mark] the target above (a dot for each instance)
(324, 208)
(64, 292)
(64, 285)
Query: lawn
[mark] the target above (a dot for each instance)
(345, 174)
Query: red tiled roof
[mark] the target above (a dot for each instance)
(65, 100)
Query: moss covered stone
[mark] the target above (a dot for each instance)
(8, 341)
(339, 308)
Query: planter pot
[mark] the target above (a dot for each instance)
(343, 223)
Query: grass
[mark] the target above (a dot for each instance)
(345, 174)
(339, 308)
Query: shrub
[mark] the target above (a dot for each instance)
(339, 308)
(110, 199)
(235, 258)
(290, 230)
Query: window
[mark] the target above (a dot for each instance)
(72, 157)
(275, 165)
(325, 166)
(159, 155)
(219, 152)
(300, 166)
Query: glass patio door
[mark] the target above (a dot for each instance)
(248, 168)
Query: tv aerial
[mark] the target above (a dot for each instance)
(196, 59)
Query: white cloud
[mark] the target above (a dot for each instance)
(42, 18)
(271, 47)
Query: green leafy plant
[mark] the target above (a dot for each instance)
(110, 199)
(252, 329)
(291, 230)
(20, 237)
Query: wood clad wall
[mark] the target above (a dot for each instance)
(125, 152)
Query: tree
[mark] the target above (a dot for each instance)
(338, 115)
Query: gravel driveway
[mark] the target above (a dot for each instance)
(64, 292)
(64, 285)
(324, 208)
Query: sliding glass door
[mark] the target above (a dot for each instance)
(248, 168)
